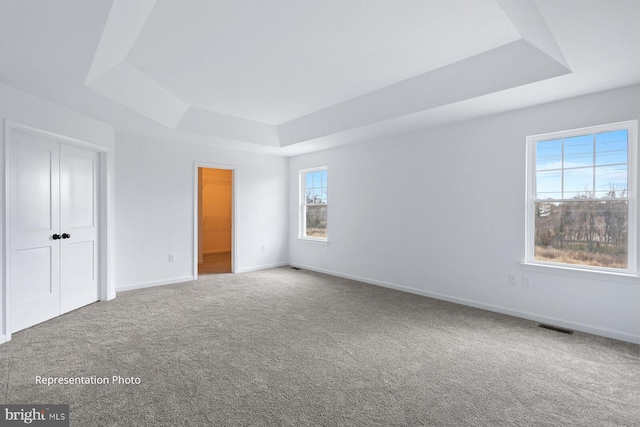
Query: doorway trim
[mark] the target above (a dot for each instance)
(106, 272)
(234, 213)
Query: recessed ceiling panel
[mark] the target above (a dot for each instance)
(51, 34)
(275, 61)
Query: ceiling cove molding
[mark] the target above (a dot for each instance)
(535, 57)
(111, 76)
(526, 18)
(207, 122)
(514, 64)
(123, 26)
(128, 86)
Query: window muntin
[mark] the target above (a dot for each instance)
(313, 203)
(581, 204)
(585, 166)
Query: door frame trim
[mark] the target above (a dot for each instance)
(234, 213)
(106, 282)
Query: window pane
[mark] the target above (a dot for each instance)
(582, 232)
(611, 147)
(578, 183)
(316, 221)
(549, 185)
(611, 181)
(549, 154)
(317, 179)
(324, 178)
(309, 180)
(578, 151)
(324, 196)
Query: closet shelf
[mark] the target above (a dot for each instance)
(215, 181)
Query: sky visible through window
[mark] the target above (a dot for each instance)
(582, 166)
(316, 187)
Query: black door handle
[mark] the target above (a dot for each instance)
(66, 235)
(55, 236)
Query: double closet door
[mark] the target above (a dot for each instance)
(54, 228)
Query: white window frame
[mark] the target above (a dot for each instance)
(632, 197)
(303, 204)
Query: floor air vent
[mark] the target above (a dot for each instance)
(295, 268)
(555, 328)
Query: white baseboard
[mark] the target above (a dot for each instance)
(191, 278)
(156, 283)
(261, 267)
(595, 330)
(3, 339)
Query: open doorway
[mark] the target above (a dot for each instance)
(215, 220)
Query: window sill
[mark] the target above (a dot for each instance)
(609, 276)
(312, 240)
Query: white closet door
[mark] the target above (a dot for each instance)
(78, 227)
(35, 218)
(54, 228)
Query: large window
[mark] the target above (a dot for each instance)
(313, 203)
(582, 192)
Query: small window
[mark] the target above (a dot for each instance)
(313, 204)
(581, 198)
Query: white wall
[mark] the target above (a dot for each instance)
(155, 209)
(442, 213)
(22, 108)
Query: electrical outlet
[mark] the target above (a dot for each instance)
(264, 248)
(513, 279)
(172, 257)
(526, 282)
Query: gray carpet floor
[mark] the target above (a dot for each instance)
(283, 347)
